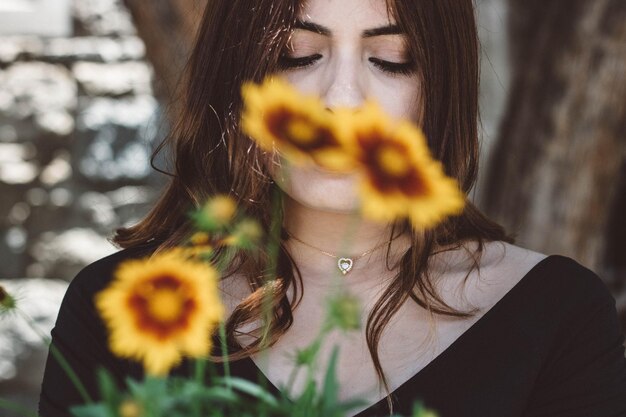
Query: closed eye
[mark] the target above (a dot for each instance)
(395, 68)
(286, 62)
(402, 68)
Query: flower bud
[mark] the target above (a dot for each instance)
(130, 408)
(200, 239)
(246, 234)
(7, 302)
(420, 411)
(216, 213)
(344, 312)
(220, 209)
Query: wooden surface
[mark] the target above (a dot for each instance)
(557, 170)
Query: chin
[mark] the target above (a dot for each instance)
(320, 189)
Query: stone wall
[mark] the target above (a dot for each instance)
(78, 122)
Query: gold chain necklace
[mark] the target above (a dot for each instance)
(344, 263)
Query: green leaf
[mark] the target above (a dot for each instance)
(305, 404)
(153, 394)
(108, 388)
(419, 410)
(331, 386)
(249, 388)
(351, 404)
(90, 410)
(219, 394)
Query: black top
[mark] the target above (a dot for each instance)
(552, 346)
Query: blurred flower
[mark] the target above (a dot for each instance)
(7, 301)
(245, 235)
(130, 408)
(200, 246)
(400, 179)
(344, 312)
(200, 251)
(160, 308)
(420, 411)
(216, 213)
(200, 239)
(276, 115)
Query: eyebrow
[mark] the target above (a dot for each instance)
(368, 33)
(382, 30)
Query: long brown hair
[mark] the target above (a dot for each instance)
(240, 40)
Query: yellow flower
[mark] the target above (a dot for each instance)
(400, 178)
(246, 234)
(216, 212)
(198, 251)
(161, 308)
(277, 116)
(130, 408)
(200, 239)
(200, 245)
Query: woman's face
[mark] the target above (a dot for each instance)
(345, 51)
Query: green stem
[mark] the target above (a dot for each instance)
(273, 248)
(199, 373)
(225, 353)
(317, 344)
(16, 408)
(292, 379)
(221, 266)
(71, 374)
(59, 357)
(200, 370)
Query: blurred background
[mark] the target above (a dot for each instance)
(84, 87)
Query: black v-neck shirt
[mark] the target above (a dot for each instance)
(551, 347)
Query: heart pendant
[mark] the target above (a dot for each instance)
(344, 265)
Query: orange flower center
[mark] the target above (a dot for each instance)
(301, 132)
(165, 305)
(392, 161)
(162, 306)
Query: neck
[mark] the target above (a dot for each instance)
(342, 234)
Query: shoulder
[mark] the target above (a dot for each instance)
(547, 281)
(97, 275)
(79, 335)
(559, 284)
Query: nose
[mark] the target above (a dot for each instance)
(344, 86)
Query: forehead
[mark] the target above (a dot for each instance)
(346, 15)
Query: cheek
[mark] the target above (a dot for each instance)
(305, 82)
(399, 97)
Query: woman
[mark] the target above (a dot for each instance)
(512, 332)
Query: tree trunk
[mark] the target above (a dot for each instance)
(167, 27)
(557, 176)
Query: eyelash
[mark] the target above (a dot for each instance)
(394, 68)
(398, 68)
(286, 62)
